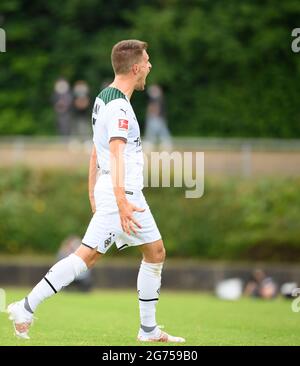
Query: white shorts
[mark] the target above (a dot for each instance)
(105, 227)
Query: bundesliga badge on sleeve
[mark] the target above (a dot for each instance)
(123, 124)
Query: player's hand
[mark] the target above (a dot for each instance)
(128, 222)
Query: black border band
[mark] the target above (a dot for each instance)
(50, 284)
(149, 299)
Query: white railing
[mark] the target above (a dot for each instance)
(223, 156)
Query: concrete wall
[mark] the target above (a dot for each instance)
(183, 276)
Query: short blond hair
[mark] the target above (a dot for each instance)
(125, 54)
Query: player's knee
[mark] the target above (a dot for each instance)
(160, 255)
(88, 255)
(91, 261)
(156, 256)
(163, 255)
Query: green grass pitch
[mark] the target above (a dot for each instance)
(111, 318)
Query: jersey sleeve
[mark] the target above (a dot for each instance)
(118, 120)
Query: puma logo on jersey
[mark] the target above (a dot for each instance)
(123, 110)
(123, 124)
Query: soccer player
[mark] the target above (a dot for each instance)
(121, 213)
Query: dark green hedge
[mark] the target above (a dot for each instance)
(235, 219)
(226, 65)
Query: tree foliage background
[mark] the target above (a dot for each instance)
(226, 65)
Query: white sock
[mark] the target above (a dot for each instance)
(148, 285)
(60, 275)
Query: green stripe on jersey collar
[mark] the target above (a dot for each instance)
(108, 94)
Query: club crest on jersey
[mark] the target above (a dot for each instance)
(123, 124)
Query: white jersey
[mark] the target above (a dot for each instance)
(113, 116)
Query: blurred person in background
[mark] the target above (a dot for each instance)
(84, 281)
(156, 131)
(62, 104)
(260, 285)
(81, 104)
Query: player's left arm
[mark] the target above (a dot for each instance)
(92, 178)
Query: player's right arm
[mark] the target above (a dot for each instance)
(117, 129)
(126, 208)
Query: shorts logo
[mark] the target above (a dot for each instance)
(123, 124)
(108, 241)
